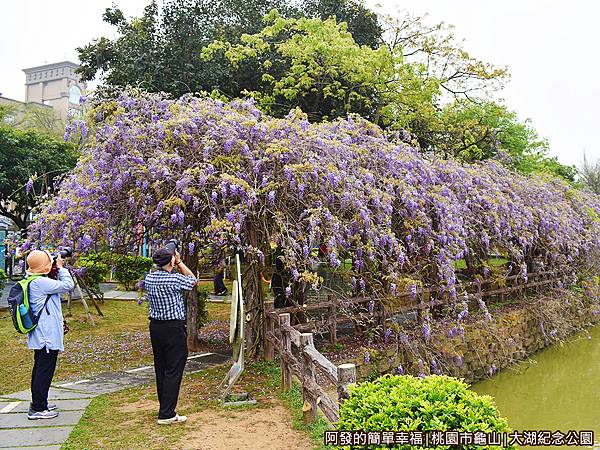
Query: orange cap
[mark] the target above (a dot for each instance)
(39, 263)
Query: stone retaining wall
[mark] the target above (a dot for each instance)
(514, 333)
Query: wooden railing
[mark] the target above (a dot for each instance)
(299, 357)
(335, 311)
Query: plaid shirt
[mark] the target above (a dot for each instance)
(165, 294)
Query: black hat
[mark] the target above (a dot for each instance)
(162, 257)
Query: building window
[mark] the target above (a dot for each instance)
(74, 94)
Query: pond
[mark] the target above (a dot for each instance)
(557, 389)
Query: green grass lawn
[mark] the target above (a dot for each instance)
(494, 262)
(117, 341)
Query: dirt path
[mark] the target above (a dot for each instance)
(266, 428)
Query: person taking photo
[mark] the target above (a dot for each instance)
(168, 333)
(46, 340)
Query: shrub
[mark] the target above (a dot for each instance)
(95, 269)
(3, 279)
(130, 268)
(202, 315)
(407, 403)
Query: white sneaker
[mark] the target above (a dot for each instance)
(35, 415)
(176, 419)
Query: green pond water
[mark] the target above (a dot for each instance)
(557, 389)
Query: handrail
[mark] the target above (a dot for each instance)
(299, 357)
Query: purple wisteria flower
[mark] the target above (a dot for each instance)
(361, 284)
(426, 331)
(484, 310)
(459, 361)
(387, 334)
(396, 214)
(434, 367)
(464, 313)
(413, 291)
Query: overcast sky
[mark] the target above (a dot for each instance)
(549, 46)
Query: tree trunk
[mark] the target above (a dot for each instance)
(254, 301)
(192, 307)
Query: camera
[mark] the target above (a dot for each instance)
(172, 245)
(66, 252)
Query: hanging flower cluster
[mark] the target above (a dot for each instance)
(221, 175)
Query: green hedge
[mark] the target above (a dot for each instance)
(407, 403)
(3, 279)
(96, 269)
(130, 268)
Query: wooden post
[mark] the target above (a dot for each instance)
(286, 349)
(309, 409)
(332, 320)
(269, 329)
(346, 376)
(69, 298)
(85, 306)
(90, 294)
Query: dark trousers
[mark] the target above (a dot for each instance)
(169, 346)
(44, 365)
(218, 283)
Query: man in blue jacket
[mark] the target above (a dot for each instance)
(46, 340)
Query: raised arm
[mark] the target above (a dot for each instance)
(63, 284)
(183, 269)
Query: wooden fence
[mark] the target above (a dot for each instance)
(299, 357)
(335, 311)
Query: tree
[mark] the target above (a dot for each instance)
(590, 174)
(228, 178)
(440, 57)
(361, 22)
(31, 164)
(309, 63)
(160, 51)
(33, 117)
(475, 131)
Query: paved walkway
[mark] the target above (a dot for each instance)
(4, 294)
(110, 293)
(16, 431)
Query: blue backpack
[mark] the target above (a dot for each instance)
(23, 317)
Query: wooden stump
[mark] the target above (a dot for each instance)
(269, 350)
(286, 349)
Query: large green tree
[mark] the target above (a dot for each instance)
(309, 63)
(160, 51)
(32, 117)
(31, 163)
(329, 58)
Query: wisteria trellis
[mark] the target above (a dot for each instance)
(225, 175)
